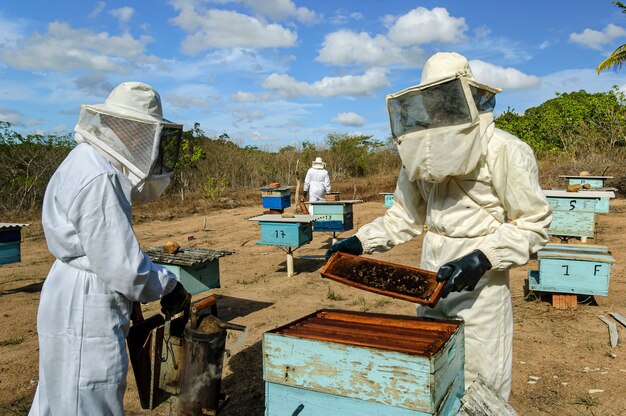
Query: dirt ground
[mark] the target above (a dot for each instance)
(559, 355)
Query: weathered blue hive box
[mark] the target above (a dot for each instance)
(595, 182)
(196, 268)
(388, 199)
(574, 212)
(354, 363)
(10, 242)
(583, 269)
(333, 216)
(276, 198)
(277, 230)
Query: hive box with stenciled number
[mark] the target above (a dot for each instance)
(277, 230)
(333, 216)
(276, 197)
(354, 363)
(574, 212)
(583, 269)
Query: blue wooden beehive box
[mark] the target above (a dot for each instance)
(583, 269)
(595, 182)
(333, 216)
(10, 242)
(345, 363)
(388, 199)
(276, 198)
(574, 212)
(277, 230)
(196, 268)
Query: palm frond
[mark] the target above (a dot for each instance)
(615, 61)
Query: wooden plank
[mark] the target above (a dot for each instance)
(613, 335)
(480, 399)
(618, 317)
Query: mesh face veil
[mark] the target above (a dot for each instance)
(129, 127)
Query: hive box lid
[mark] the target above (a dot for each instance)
(585, 177)
(342, 202)
(558, 193)
(280, 218)
(585, 252)
(385, 278)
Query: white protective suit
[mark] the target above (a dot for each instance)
(317, 182)
(85, 305)
(496, 207)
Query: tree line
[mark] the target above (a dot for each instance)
(570, 126)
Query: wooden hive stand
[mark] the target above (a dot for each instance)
(564, 300)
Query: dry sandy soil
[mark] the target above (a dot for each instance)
(567, 350)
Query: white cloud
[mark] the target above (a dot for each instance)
(227, 29)
(282, 9)
(348, 85)
(63, 48)
(97, 10)
(123, 14)
(16, 118)
(345, 47)
(545, 44)
(349, 119)
(341, 17)
(248, 97)
(421, 26)
(505, 78)
(596, 40)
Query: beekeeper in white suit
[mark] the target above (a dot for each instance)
(125, 156)
(474, 189)
(316, 182)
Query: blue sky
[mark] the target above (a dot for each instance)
(276, 73)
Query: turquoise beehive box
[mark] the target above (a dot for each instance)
(196, 268)
(277, 198)
(388, 199)
(354, 363)
(574, 212)
(280, 231)
(11, 242)
(583, 269)
(594, 182)
(333, 216)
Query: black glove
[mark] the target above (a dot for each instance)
(351, 245)
(305, 194)
(176, 301)
(463, 273)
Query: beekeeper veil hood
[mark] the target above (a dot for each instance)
(129, 129)
(442, 126)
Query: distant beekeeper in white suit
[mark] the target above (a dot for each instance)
(125, 156)
(316, 182)
(474, 189)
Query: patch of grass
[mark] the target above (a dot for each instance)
(12, 341)
(364, 307)
(332, 295)
(586, 401)
(381, 303)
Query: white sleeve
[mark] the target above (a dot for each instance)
(326, 181)
(516, 181)
(307, 180)
(403, 221)
(100, 214)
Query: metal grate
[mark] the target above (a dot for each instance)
(186, 256)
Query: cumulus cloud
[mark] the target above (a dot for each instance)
(16, 118)
(349, 119)
(63, 48)
(282, 9)
(348, 85)
(123, 14)
(345, 47)
(421, 26)
(399, 46)
(505, 78)
(227, 29)
(597, 39)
